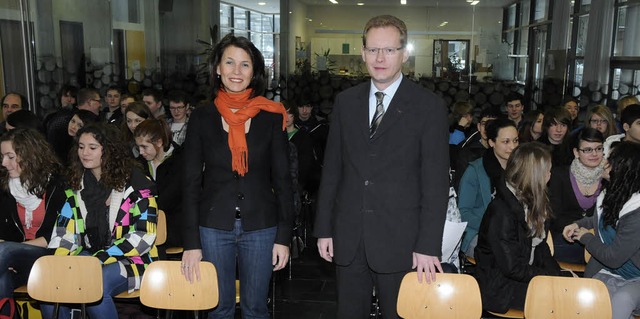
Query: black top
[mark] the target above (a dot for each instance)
(11, 228)
(564, 205)
(212, 191)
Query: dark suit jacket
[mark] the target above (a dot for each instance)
(389, 192)
(212, 191)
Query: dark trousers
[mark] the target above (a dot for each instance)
(356, 282)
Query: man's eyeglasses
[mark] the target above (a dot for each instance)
(386, 51)
(177, 108)
(596, 122)
(590, 150)
(95, 100)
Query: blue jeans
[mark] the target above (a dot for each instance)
(253, 250)
(113, 284)
(20, 257)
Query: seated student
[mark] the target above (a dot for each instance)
(630, 119)
(474, 146)
(622, 104)
(615, 248)
(79, 119)
(600, 118)
(555, 133)
(573, 190)
(31, 193)
(511, 242)
(23, 119)
(479, 181)
(115, 203)
(460, 127)
(135, 113)
(164, 166)
(531, 128)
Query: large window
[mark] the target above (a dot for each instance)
(625, 60)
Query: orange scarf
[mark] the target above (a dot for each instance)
(248, 108)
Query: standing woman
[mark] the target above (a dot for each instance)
(478, 184)
(573, 190)
(615, 248)
(511, 242)
(31, 193)
(238, 199)
(110, 213)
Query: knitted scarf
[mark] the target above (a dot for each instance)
(247, 108)
(585, 175)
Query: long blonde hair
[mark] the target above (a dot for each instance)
(527, 170)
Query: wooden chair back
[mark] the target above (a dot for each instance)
(550, 297)
(164, 287)
(450, 296)
(66, 279)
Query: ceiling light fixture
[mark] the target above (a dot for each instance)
(475, 2)
(403, 1)
(360, 3)
(334, 1)
(262, 3)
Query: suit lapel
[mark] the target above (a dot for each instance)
(361, 112)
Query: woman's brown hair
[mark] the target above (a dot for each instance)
(527, 171)
(35, 157)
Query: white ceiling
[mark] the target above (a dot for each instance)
(273, 6)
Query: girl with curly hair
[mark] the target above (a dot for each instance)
(614, 247)
(110, 213)
(31, 193)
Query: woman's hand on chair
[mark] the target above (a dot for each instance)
(280, 256)
(191, 264)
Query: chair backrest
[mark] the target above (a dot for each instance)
(161, 228)
(567, 297)
(164, 287)
(450, 296)
(66, 279)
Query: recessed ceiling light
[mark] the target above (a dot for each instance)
(360, 3)
(262, 3)
(475, 2)
(333, 1)
(403, 1)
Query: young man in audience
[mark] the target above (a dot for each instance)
(89, 99)
(112, 110)
(318, 129)
(475, 145)
(630, 119)
(153, 100)
(515, 108)
(125, 100)
(179, 107)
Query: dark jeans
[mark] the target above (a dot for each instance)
(113, 283)
(20, 257)
(253, 250)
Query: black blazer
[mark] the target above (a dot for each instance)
(504, 250)
(565, 206)
(212, 191)
(389, 192)
(10, 225)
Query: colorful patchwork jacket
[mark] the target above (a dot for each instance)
(133, 234)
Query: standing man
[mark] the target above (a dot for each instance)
(384, 191)
(515, 108)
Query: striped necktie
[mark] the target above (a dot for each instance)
(377, 116)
